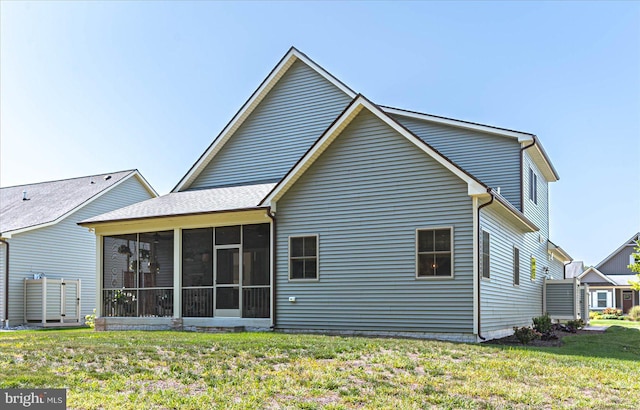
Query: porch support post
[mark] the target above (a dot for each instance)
(177, 273)
(100, 284)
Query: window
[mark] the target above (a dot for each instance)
(435, 254)
(601, 299)
(486, 256)
(533, 186)
(303, 257)
(516, 266)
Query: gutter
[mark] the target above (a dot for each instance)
(6, 285)
(479, 233)
(271, 214)
(535, 141)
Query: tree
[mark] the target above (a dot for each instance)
(635, 267)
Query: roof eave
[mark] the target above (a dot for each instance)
(93, 224)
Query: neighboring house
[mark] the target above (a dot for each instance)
(609, 280)
(40, 235)
(317, 210)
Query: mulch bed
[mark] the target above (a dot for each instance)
(513, 341)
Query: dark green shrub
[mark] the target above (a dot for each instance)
(542, 324)
(525, 334)
(576, 324)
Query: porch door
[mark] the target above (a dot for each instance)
(228, 275)
(627, 300)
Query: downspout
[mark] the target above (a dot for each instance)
(6, 285)
(479, 233)
(272, 215)
(535, 141)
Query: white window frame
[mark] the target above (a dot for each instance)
(481, 261)
(417, 253)
(594, 301)
(317, 278)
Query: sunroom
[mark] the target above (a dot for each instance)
(192, 266)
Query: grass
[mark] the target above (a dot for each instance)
(130, 370)
(612, 322)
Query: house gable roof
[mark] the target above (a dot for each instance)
(475, 187)
(538, 153)
(629, 242)
(598, 273)
(50, 202)
(250, 105)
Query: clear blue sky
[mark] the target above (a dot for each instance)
(92, 87)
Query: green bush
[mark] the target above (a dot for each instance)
(612, 317)
(634, 313)
(576, 324)
(525, 334)
(542, 324)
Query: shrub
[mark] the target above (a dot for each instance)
(575, 324)
(634, 313)
(542, 324)
(612, 317)
(612, 312)
(525, 334)
(594, 315)
(90, 320)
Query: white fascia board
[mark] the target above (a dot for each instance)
(135, 173)
(630, 242)
(250, 105)
(522, 137)
(473, 187)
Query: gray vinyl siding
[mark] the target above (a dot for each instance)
(561, 299)
(492, 159)
(285, 124)
(65, 250)
(556, 269)
(503, 305)
(618, 265)
(537, 213)
(365, 197)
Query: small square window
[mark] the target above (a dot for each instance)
(303, 257)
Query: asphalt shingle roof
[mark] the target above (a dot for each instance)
(190, 202)
(48, 201)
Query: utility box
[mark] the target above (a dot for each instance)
(52, 302)
(565, 299)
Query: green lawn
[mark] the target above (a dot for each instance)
(609, 322)
(128, 370)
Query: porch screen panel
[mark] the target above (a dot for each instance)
(256, 290)
(197, 272)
